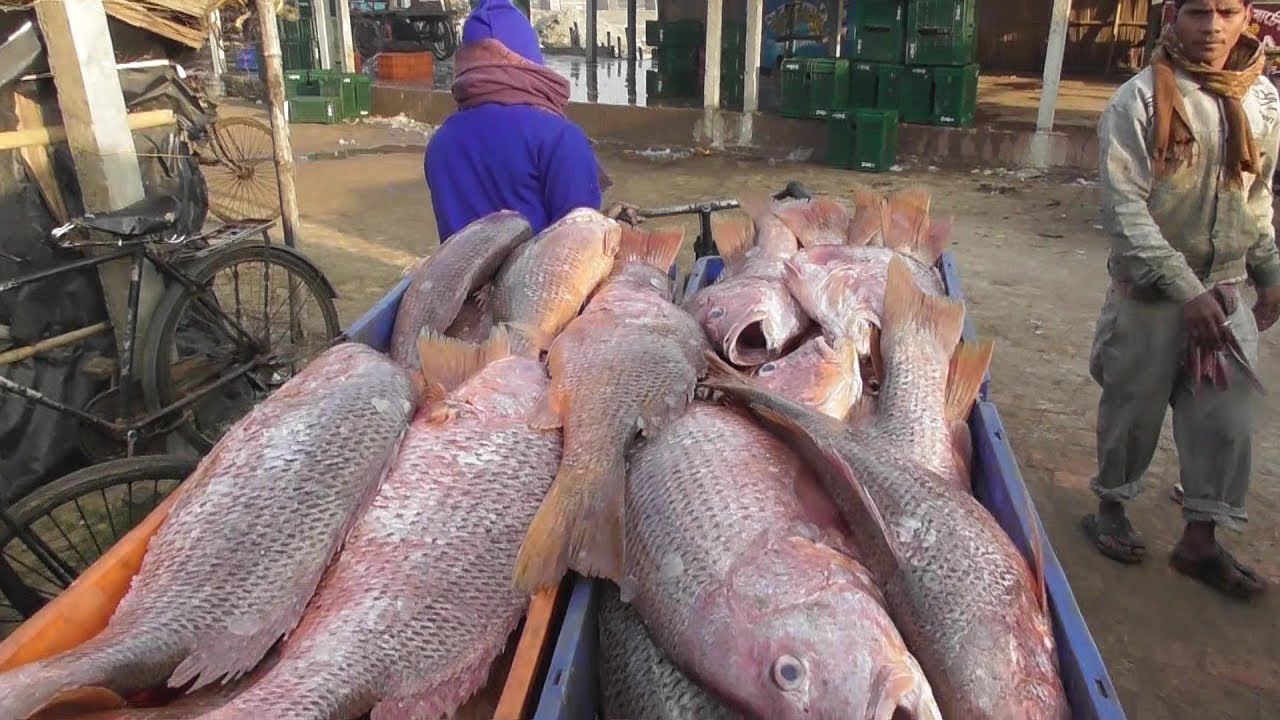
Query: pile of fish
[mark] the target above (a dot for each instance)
(796, 539)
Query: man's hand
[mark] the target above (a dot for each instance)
(624, 212)
(1267, 309)
(1205, 321)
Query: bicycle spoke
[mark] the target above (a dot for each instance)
(106, 506)
(130, 491)
(34, 571)
(84, 560)
(88, 526)
(155, 494)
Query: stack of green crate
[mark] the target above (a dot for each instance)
(941, 86)
(675, 58)
(876, 42)
(328, 96)
(875, 140)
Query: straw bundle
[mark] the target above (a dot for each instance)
(184, 21)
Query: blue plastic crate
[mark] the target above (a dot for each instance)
(571, 691)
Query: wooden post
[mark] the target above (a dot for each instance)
(279, 126)
(82, 59)
(631, 31)
(711, 72)
(217, 59)
(1041, 143)
(344, 36)
(592, 42)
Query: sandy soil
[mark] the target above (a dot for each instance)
(1033, 260)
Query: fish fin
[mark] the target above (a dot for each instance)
(1037, 554)
(416, 266)
(482, 296)
(909, 310)
(871, 518)
(756, 205)
(818, 222)
(578, 526)
(863, 411)
(75, 703)
(936, 241)
(969, 365)
(658, 247)
(804, 292)
(907, 221)
(962, 452)
(870, 216)
(447, 363)
(733, 238)
(548, 413)
(837, 287)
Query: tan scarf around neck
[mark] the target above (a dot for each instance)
(1173, 138)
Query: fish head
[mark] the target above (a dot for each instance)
(803, 634)
(823, 375)
(751, 319)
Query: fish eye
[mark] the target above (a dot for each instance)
(788, 672)
(716, 313)
(767, 368)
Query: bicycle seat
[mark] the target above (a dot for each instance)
(148, 216)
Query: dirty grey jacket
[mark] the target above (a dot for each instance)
(1173, 237)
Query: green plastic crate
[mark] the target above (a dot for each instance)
(828, 86)
(363, 94)
(915, 95)
(732, 90)
(323, 110)
(880, 13)
(675, 61)
(874, 85)
(340, 85)
(732, 62)
(955, 95)
(672, 85)
(942, 32)
(839, 140)
(878, 44)
(296, 83)
(794, 92)
(685, 33)
(875, 140)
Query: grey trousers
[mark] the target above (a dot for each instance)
(1136, 359)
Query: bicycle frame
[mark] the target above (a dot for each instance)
(140, 253)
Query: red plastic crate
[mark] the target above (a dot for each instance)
(406, 66)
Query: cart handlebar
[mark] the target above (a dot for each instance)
(792, 190)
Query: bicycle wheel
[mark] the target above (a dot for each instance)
(446, 41)
(243, 184)
(78, 516)
(276, 295)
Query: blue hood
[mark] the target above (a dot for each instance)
(502, 21)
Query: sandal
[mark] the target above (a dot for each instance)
(1220, 571)
(1115, 538)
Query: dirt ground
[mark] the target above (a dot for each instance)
(1032, 256)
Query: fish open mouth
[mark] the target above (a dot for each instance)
(747, 344)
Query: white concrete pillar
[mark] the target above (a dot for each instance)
(755, 41)
(1041, 144)
(320, 20)
(711, 72)
(347, 44)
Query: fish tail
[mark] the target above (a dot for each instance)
(756, 205)
(907, 221)
(910, 313)
(866, 227)
(936, 241)
(447, 362)
(808, 222)
(733, 238)
(579, 526)
(657, 247)
(969, 364)
(804, 292)
(72, 681)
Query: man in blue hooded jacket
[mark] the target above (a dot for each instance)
(509, 146)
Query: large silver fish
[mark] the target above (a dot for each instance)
(243, 549)
(439, 284)
(748, 595)
(413, 612)
(967, 603)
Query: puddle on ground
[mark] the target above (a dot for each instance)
(356, 152)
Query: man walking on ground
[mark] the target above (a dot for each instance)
(1188, 148)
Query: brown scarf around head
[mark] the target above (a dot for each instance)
(1173, 138)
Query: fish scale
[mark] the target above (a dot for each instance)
(413, 612)
(734, 580)
(224, 577)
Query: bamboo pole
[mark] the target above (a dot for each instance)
(279, 125)
(19, 354)
(50, 134)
